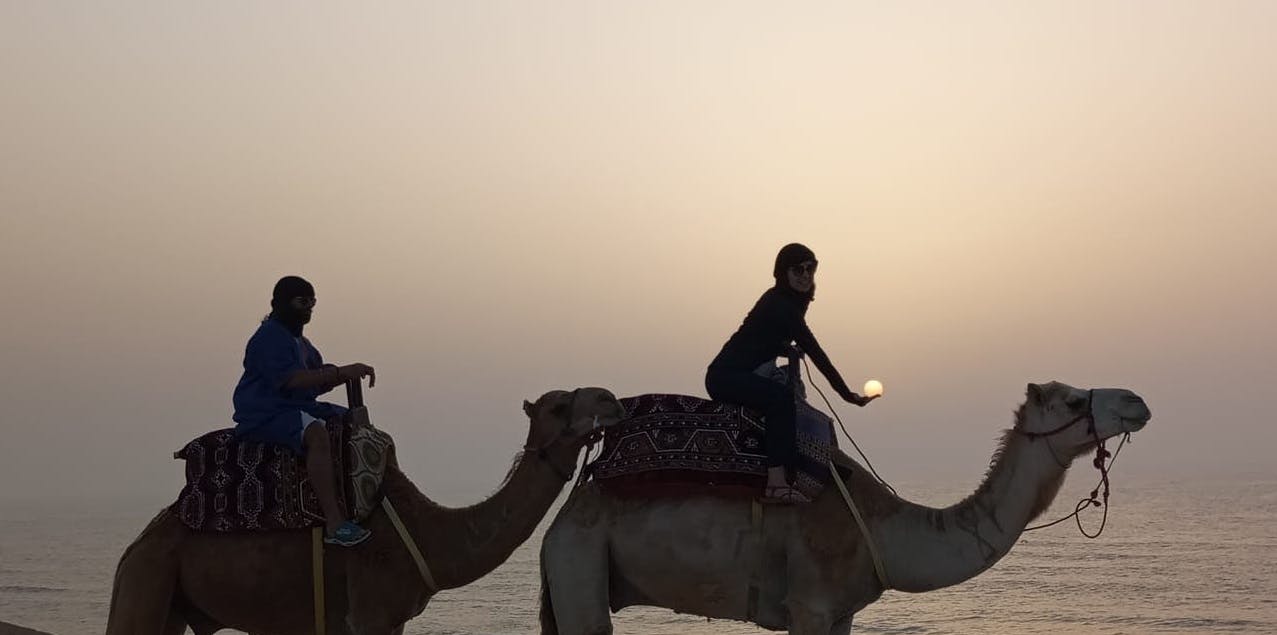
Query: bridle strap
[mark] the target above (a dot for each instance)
(1088, 416)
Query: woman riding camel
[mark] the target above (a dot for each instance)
(777, 321)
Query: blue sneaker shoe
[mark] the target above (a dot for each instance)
(348, 535)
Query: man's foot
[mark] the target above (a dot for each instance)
(348, 534)
(783, 495)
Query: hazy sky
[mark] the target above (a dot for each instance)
(498, 199)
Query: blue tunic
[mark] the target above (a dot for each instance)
(265, 411)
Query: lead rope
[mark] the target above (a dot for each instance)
(868, 464)
(1094, 500)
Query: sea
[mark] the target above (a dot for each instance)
(1190, 555)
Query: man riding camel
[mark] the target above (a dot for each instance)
(276, 400)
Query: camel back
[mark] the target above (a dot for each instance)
(234, 486)
(670, 445)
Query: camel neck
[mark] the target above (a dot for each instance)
(926, 548)
(464, 544)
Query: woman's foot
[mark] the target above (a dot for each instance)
(783, 495)
(347, 534)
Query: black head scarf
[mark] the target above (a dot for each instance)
(282, 309)
(790, 255)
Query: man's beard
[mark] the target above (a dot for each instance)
(293, 318)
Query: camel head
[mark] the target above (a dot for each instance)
(568, 419)
(1073, 418)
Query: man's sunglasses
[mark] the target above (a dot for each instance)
(806, 267)
(307, 302)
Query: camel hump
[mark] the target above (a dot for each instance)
(679, 445)
(235, 485)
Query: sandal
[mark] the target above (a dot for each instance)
(348, 535)
(783, 495)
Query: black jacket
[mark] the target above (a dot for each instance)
(778, 318)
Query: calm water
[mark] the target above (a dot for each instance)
(1177, 557)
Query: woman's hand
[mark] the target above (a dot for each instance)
(860, 400)
(356, 372)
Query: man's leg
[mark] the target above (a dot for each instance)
(319, 467)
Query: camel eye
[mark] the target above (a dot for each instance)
(1075, 402)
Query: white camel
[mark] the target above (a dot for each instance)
(808, 568)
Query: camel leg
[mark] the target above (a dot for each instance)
(802, 622)
(574, 575)
(175, 624)
(142, 599)
(841, 627)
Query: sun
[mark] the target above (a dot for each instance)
(873, 388)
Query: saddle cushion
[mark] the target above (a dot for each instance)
(679, 445)
(234, 486)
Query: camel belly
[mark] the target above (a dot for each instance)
(704, 556)
(253, 582)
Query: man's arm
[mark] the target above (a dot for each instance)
(329, 376)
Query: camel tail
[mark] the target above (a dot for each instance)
(145, 579)
(548, 624)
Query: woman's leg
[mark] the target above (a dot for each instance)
(777, 403)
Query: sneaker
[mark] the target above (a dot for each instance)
(348, 535)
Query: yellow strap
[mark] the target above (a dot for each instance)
(751, 596)
(864, 529)
(317, 566)
(410, 544)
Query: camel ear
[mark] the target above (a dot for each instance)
(1034, 391)
(527, 407)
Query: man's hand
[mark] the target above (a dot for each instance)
(860, 400)
(356, 372)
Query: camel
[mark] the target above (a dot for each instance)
(261, 583)
(807, 568)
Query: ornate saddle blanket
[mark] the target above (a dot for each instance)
(234, 486)
(676, 444)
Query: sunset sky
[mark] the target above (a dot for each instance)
(496, 199)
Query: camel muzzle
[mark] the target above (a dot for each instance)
(1139, 414)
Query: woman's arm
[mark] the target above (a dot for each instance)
(807, 341)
